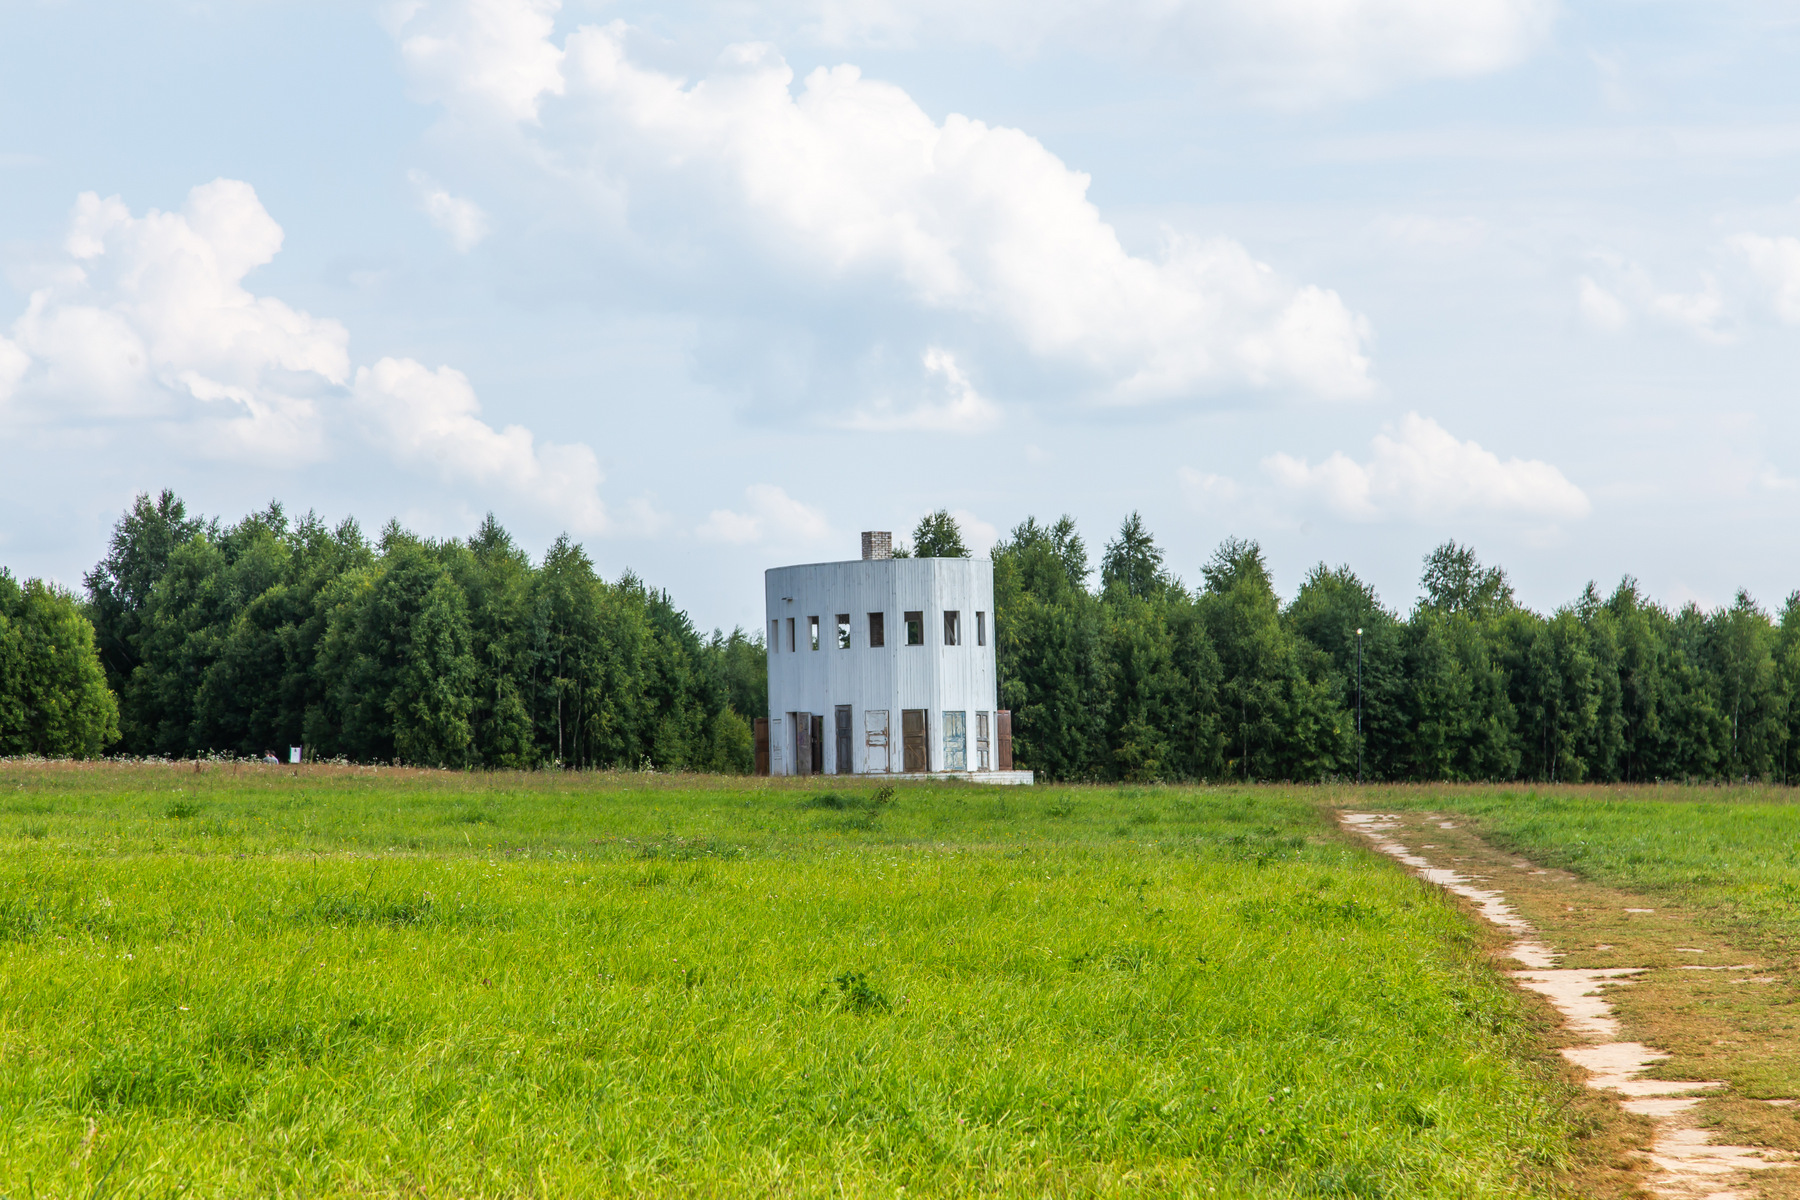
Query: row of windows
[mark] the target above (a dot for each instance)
(914, 622)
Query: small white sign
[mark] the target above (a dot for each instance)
(293, 754)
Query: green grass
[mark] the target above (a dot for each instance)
(402, 983)
(1731, 854)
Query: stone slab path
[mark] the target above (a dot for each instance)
(1689, 1164)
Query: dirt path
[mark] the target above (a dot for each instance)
(1690, 1153)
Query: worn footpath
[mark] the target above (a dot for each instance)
(1690, 1034)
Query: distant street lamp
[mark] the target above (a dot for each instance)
(1359, 737)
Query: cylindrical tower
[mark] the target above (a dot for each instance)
(882, 666)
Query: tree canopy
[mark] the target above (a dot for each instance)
(200, 637)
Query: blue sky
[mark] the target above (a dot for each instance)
(712, 287)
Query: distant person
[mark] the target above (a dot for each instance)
(269, 757)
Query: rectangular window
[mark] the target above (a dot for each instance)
(877, 629)
(952, 628)
(790, 634)
(981, 629)
(915, 629)
(843, 631)
(812, 631)
(774, 635)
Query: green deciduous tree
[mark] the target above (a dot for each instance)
(53, 695)
(937, 535)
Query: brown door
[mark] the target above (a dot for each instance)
(1003, 735)
(912, 733)
(818, 744)
(761, 727)
(846, 762)
(803, 757)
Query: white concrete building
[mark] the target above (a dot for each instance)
(884, 666)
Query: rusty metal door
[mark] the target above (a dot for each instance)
(845, 750)
(1003, 734)
(875, 722)
(818, 744)
(912, 737)
(760, 728)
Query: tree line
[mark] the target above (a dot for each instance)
(1143, 678)
(247, 638)
(195, 638)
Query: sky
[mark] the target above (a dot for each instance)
(711, 287)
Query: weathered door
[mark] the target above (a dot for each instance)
(803, 757)
(1003, 734)
(956, 741)
(845, 750)
(912, 736)
(760, 726)
(983, 758)
(818, 744)
(875, 722)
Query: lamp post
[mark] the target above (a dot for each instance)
(1359, 737)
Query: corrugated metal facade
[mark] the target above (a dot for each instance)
(880, 683)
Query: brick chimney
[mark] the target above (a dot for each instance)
(878, 544)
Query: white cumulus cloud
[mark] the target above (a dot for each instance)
(1602, 309)
(145, 329)
(770, 516)
(1775, 261)
(148, 317)
(848, 186)
(1420, 471)
(1625, 291)
(978, 535)
(13, 363)
(459, 219)
(432, 418)
(482, 56)
(948, 403)
(1277, 51)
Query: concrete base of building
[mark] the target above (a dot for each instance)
(995, 777)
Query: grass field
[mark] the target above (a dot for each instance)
(254, 982)
(1732, 855)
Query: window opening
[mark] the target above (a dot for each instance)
(877, 629)
(981, 629)
(915, 629)
(952, 628)
(843, 624)
(812, 631)
(790, 635)
(774, 635)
